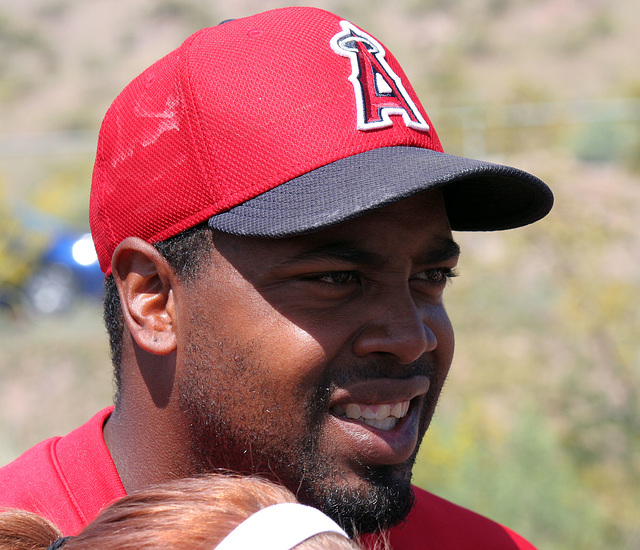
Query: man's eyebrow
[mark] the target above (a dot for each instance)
(349, 253)
(447, 251)
(342, 251)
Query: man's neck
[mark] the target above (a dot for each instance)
(144, 449)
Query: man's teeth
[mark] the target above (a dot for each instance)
(384, 417)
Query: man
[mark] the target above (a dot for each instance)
(273, 212)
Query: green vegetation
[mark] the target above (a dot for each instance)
(520, 476)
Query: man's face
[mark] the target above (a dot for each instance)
(318, 359)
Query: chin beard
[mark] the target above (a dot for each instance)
(385, 501)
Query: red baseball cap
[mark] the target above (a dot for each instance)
(280, 124)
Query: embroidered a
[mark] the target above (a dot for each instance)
(379, 91)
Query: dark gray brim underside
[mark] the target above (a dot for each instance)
(479, 196)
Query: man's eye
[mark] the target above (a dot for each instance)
(437, 276)
(336, 277)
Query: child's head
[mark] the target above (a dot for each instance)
(190, 514)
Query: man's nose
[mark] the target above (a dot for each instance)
(399, 327)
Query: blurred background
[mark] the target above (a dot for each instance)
(539, 424)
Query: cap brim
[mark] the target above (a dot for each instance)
(479, 196)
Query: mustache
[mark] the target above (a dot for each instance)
(343, 374)
(375, 369)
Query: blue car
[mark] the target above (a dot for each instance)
(67, 269)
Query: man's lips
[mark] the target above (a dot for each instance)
(379, 418)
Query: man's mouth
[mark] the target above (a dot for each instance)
(385, 416)
(378, 421)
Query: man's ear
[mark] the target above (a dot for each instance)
(145, 284)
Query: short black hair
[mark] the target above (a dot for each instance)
(185, 253)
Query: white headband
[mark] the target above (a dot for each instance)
(279, 527)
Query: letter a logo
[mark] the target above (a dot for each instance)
(378, 89)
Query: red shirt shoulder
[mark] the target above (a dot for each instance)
(66, 479)
(437, 524)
